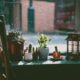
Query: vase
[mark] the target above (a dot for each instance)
(15, 50)
(43, 53)
(28, 56)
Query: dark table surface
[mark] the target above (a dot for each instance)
(34, 70)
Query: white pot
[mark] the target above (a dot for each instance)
(28, 56)
(43, 53)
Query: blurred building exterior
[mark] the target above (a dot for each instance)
(39, 15)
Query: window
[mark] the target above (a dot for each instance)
(65, 15)
(46, 16)
(39, 15)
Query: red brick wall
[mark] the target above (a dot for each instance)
(44, 15)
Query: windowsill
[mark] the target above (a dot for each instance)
(50, 61)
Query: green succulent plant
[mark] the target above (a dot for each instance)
(43, 40)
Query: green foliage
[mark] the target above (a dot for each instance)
(43, 40)
(15, 36)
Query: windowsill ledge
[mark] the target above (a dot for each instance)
(50, 61)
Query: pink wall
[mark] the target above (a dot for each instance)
(24, 15)
(44, 15)
(16, 16)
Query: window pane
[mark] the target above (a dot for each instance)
(65, 15)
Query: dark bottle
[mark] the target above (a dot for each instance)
(30, 48)
(35, 54)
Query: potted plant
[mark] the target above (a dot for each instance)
(28, 53)
(15, 46)
(43, 49)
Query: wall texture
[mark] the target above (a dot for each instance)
(44, 15)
